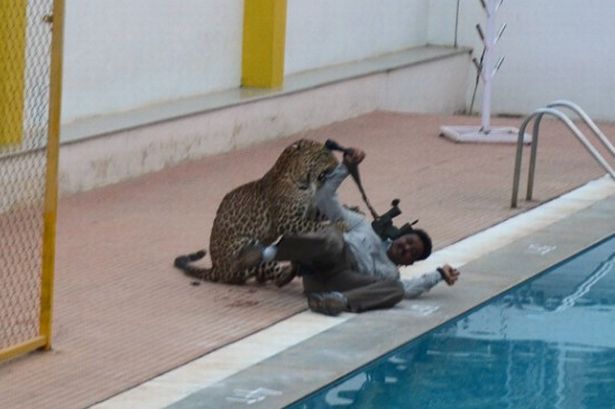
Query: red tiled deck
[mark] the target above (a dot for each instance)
(124, 315)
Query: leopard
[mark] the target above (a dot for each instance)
(259, 212)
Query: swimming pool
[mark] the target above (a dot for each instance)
(547, 343)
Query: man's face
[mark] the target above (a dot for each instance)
(406, 249)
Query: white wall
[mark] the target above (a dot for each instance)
(121, 55)
(442, 21)
(553, 49)
(434, 87)
(326, 32)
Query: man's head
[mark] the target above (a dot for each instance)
(410, 247)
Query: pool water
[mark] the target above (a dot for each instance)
(547, 343)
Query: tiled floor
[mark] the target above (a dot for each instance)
(124, 315)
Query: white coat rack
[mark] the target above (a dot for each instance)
(487, 68)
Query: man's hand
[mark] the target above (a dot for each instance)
(449, 274)
(353, 157)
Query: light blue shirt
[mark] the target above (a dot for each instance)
(369, 250)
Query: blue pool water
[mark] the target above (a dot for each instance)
(547, 343)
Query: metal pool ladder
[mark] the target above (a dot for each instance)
(549, 110)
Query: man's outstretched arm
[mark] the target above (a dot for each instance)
(413, 287)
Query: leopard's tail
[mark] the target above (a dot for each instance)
(200, 273)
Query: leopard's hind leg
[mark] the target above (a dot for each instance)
(231, 272)
(280, 274)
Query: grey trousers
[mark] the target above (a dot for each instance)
(327, 264)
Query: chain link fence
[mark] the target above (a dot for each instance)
(25, 64)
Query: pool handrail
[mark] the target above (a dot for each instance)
(537, 115)
(588, 121)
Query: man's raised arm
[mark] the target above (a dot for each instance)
(326, 196)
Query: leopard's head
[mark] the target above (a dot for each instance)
(305, 163)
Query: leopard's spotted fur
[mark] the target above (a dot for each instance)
(258, 212)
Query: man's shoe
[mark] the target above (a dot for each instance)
(332, 303)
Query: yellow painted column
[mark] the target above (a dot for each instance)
(264, 35)
(12, 70)
(51, 182)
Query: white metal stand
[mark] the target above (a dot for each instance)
(487, 68)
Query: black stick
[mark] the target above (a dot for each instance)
(354, 172)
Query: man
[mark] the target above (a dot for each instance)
(355, 270)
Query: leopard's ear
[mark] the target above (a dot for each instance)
(298, 145)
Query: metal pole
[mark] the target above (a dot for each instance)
(456, 25)
(530, 174)
(518, 157)
(488, 65)
(51, 183)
